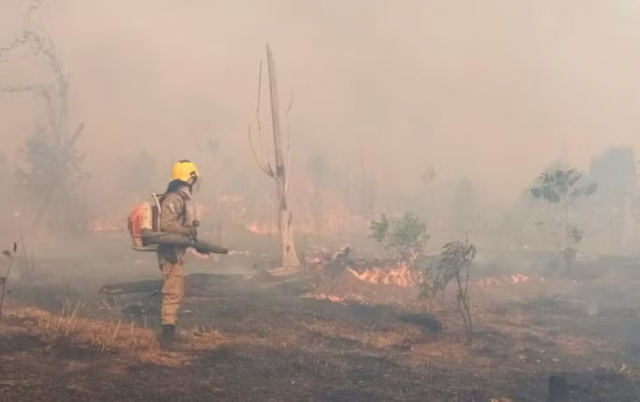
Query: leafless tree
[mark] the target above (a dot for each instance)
(288, 255)
(52, 172)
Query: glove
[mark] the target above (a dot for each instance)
(193, 232)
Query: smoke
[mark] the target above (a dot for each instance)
(493, 90)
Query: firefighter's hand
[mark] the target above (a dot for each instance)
(194, 232)
(195, 224)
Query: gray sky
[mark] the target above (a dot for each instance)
(491, 89)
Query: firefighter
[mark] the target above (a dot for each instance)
(176, 216)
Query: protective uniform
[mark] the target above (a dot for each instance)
(177, 216)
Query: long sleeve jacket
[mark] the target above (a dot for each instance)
(175, 216)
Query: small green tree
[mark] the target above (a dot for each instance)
(563, 187)
(405, 237)
(453, 264)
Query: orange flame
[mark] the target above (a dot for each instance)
(334, 298)
(261, 228)
(402, 275)
(515, 279)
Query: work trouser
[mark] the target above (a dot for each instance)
(171, 261)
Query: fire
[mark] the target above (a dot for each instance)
(402, 275)
(261, 228)
(319, 209)
(519, 278)
(316, 209)
(514, 279)
(334, 298)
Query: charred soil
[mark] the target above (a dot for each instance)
(330, 339)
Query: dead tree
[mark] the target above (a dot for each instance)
(288, 255)
(54, 172)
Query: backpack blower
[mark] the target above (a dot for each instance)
(144, 228)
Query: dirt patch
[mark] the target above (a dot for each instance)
(333, 339)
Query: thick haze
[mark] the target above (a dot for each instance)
(493, 90)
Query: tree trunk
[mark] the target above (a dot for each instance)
(288, 255)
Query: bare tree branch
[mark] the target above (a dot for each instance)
(17, 48)
(260, 159)
(36, 43)
(77, 134)
(265, 167)
(258, 119)
(13, 88)
(51, 113)
(286, 184)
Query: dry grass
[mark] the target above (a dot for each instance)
(69, 329)
(370, 337)
(349, 337)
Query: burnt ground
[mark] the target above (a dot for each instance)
(247, 341)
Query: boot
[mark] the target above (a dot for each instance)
(168, 336)
(168, 332)
(170, 339)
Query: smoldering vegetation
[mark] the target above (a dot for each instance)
(388, 117)
(462, 179)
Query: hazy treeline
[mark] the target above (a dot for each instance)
(393, 109)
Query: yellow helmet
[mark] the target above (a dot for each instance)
(184, 170)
